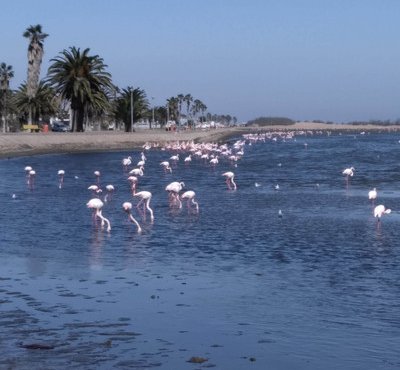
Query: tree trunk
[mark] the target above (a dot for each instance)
(80, 115)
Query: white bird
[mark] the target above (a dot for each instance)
(189, 195)
(380, 210)
(127, 207)
(145, 198)
(137, 171)
(372, 194)
(173, 190)
(229, 176)
(166, 166)
(96, 204)
(348, 171)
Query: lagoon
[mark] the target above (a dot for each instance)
(235, 284)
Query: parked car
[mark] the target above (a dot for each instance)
(59, 127)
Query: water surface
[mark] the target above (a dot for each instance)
(235, 284)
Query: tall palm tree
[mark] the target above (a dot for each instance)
(44, 103)
(197, 107)
(132, 104)
(82, 80)
(6, 74)
(173, 108)
(188, 100)
(181, 99)
(35, 55)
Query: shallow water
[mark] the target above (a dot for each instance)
(235, 284)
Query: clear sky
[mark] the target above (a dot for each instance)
(335, 60)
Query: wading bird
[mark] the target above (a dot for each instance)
(229, 176)
(96, 204)
(145, 197)
(189, 195)
(127, 207)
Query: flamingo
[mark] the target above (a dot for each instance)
(229, 176)
(126, 162)
(145, 197)
(31, 179)
(372, 194)
(188, 158)
(133, 180)
(137, 171)
(380, 210)
(61, 174)
(110, 191)
(97, 174)
(166, 166)
(27, 169)
(189, 195)
(95, 189)
(96, 204)
(127, 207)
(173, 190)
(348, 172)
(174, 158)
(214, 161)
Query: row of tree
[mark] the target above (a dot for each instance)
(79, 83)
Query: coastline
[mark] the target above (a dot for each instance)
(26, 144)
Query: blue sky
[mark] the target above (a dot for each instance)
(335, 60)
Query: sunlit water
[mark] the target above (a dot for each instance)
(236, 284)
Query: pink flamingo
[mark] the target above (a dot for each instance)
(27, 170)
(96, 204)
(95, 189)
(133, 180)
(31, 179)
(173, 192)
(166, 166)
(189, 195)
(372, 194)
(380, 210)
(61, 174)
(97, 174)
(126, 162)
(137, 171)
(127, 207)
(110, 192)
(349, 172)
(229, 176)
(145, 197)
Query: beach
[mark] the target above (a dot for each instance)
(24, 144)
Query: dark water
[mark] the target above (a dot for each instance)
(318, 288)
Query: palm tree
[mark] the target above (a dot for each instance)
(82, 80)
(132, 104)
(181, 99)
(161, 115)
(188, 100)
(44, 103)
(35, 55)
(173, 108)
(6, 74)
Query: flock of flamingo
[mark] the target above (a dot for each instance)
(380, 209)
(209, 152)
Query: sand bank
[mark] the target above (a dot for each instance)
(22, 144)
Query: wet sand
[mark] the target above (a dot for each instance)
(24, 144)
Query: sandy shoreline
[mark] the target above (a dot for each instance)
(24, 144)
